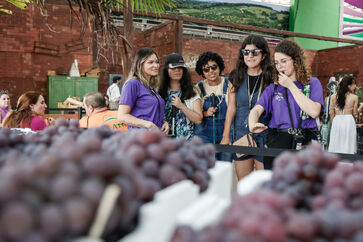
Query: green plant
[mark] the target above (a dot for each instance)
(359, 92)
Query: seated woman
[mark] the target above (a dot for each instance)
(343, 110)
(97, 113)
(4, 105)
(140, 105)
(31, 106)
(182, 101)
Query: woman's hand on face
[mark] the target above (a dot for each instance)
(258, 128)
(284, 80)
(165, 128)
(226, 141)
(175, 101)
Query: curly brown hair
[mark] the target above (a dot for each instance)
(296, 52)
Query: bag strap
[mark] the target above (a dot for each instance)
(201, 88)
(225, 85)
(290, 114)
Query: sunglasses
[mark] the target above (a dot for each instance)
(254, 52)
(207, 68)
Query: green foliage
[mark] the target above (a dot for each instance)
(359, 92)
(18, 3)
(249, 14)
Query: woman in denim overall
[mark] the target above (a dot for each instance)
(213, 91)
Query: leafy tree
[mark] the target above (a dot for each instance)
(18, 3)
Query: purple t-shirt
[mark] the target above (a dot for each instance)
(274, 102)
(4, 112)
(144, 104)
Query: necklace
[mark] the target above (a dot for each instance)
(250, 96)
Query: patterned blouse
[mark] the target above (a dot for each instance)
(183, 127)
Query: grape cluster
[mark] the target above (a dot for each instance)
(311, 197)
(51, 182)
(301, 175)
(343, 188)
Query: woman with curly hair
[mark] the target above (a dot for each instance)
(294, 101)
(182, 103)
(140, 104)
(213, 91)
(343, 110)
(31, 107)
(252, 74)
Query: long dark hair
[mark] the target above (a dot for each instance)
(186, 85)
(24, 112)
(343, 89)
(241, 67)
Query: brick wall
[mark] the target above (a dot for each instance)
(22, 70)
(341, 60)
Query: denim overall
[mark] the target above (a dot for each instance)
(241, 118)
(205, 129)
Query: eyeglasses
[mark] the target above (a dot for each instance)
(282, 62)
(254, 52)
(207, 68)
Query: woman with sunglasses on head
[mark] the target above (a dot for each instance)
(4, 105)
(252, 74)
(140, 105)
(294, 102)
(343, 110)
(31, 107)
(182, 103)
(213, 91)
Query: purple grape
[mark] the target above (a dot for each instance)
(137, 154)
(16, 220)
(150, 168)
(92, 189)
(354, 183)
(169, 175)
(150, 137)
(174, 158)
(301, 227)
(52, 220)
(155, 152)
(78, 212)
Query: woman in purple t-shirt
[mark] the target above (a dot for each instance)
(140, 105)
(31, 106)
(4, 105)
(294, 101)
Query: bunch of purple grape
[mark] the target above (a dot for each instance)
(51, 182)
(311, 197)
(301, 175)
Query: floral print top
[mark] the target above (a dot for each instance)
(183, 127)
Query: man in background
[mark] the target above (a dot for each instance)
(97, 113)
(113, 92)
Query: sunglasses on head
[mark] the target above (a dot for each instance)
(207, 68)
(254, 52)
